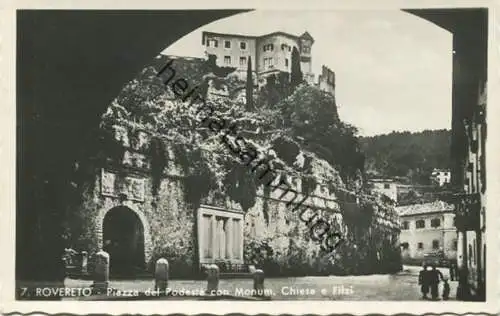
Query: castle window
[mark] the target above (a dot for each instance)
(306, 49)
(220, 235)
(212, 43)
(435, 222)
(227, 60)
(286, 62)
(387, 186)
(435, 244)
(268, 47)
(420, 245)
(268, 62)
(243, 45)
(227, 44)
(454, 245)
(243, 61)
(420, 223)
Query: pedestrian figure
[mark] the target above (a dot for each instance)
(446, 289)
(423, 281)
(452, 271)
(435, 277)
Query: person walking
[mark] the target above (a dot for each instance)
(446, 289)
(423, 281)
(452, 271)
(435, 277)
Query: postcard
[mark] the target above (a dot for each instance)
(288, 158)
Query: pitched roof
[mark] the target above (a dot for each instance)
(304, 35)
(206, 33)
(308, 36)
(424, 208)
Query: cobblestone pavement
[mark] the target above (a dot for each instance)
(397, 287)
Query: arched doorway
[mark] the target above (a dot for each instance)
(123, 239)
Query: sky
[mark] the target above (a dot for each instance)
(393, 70)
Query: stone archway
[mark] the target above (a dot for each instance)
(123, 239)
(136, 231)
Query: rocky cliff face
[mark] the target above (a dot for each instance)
(168, 162)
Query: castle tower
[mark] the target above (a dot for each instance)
(305, 43)
(326, 81)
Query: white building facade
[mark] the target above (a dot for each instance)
(387, 187)
(270, 53)
(441, 177)
(428, 228)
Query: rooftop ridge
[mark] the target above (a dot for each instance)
(424, 208)
(306, 34)
(181, 57)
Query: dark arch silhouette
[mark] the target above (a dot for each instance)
(70, 65)
(123, 240)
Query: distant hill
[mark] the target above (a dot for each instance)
(406, 154)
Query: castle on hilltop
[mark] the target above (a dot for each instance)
(270, 53)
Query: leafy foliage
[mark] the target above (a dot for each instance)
(241, 185)
(158, 163)
(260, 253)
(179, 257)
(312, 116)
(405, 154)
(249, 86)
(296, 76)
(304, 122)
(298, 132)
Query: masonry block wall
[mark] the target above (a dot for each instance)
(170, 223)
(273, 234)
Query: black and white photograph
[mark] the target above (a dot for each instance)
(258, 155)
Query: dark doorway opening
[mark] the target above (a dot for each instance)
(123, 240)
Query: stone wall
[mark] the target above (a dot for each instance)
(275, 239)
(170, 222)
(326, 80)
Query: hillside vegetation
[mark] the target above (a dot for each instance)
(406, 154)
(293, 126)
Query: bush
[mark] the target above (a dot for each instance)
(180, 260)
(261, 254)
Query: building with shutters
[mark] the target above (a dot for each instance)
(440, 177)
(427, 228)
(271, 54)
(471, 205)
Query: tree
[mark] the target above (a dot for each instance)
(277, 88)
(272, 94)
(249, 86)
(410, 155)
(296, 76)
(312, 116)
